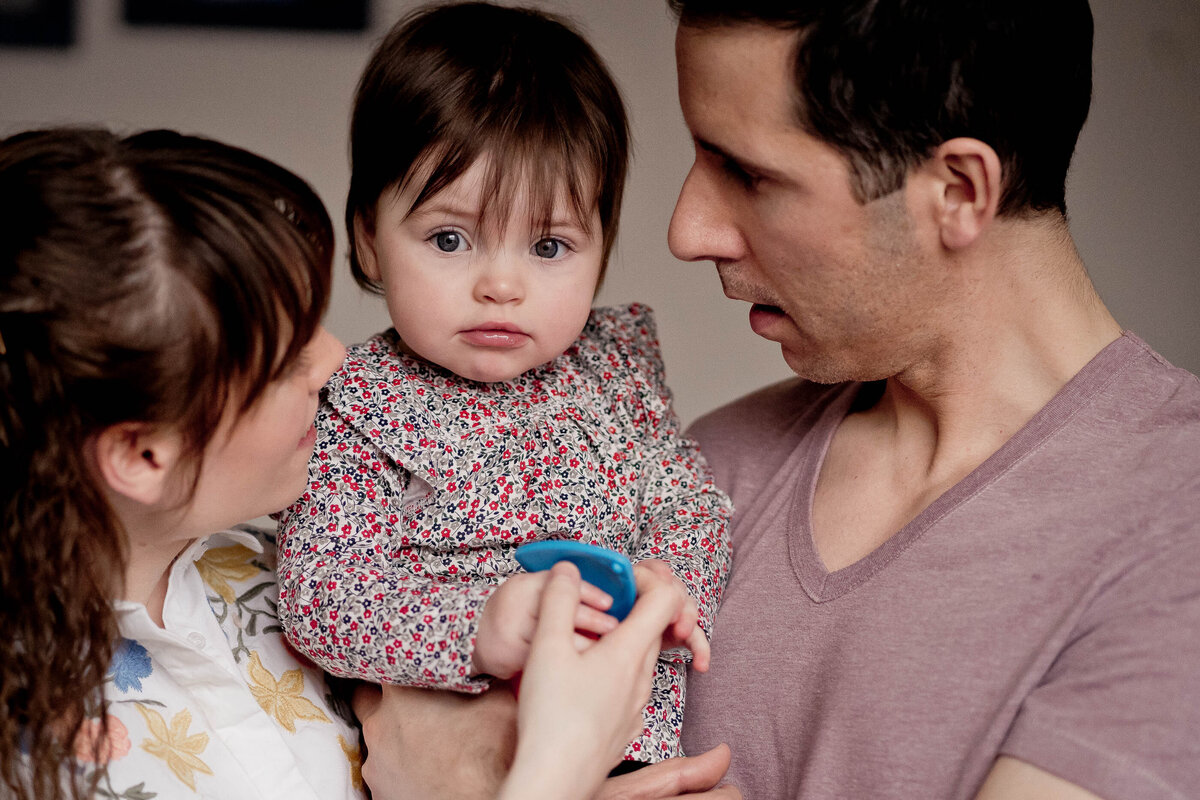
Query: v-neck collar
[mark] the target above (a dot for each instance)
(822, 585)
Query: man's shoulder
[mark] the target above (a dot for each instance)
(1163, 387)
(1152, 404)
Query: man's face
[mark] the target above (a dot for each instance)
(839, 284)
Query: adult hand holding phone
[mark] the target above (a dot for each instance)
(581, 702)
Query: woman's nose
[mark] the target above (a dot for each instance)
(328, 354)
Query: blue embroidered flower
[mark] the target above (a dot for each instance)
(130, 664)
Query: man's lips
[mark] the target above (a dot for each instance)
(763, 317)
(495, 334)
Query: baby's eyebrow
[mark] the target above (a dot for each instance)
(444, 208)
(566, 222)
(576, 227)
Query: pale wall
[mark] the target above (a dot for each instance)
(1133, 195)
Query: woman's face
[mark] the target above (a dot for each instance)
(257, 462)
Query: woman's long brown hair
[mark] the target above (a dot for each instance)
(149, 279)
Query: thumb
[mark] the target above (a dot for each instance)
(652, 613)
(559, 602)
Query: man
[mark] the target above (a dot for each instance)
(967, 535)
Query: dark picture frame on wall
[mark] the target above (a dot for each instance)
(47, 23)
(312, 15)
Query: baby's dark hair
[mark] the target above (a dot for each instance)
(157, 279)
(451, 83)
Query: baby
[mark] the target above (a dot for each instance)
(489, 148)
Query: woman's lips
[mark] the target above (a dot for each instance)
(310, 436)
(762, 317)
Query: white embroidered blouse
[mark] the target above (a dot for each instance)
(214, 704)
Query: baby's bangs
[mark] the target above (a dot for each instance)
(546, 171)
(547, 174)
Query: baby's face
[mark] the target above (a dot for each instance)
(485, 301)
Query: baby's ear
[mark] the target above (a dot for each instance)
(136, 460)
(364, 247)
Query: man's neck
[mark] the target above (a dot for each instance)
(1028, 323)
(1025, 322)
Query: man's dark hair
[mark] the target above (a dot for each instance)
(887, 81)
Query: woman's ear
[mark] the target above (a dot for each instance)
(137, 460)
(364, 247)
(968, 181)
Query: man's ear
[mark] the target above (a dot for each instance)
(967, 182)
(364, 247)
(137, 460)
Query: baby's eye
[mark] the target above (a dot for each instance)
(549, 248)
(448, 241)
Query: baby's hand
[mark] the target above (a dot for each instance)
(684, 630)
(510, 618)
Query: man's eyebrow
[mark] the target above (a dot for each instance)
(737, 162)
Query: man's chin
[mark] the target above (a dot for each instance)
(814, 368)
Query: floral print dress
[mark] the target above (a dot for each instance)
(214, 704)
(423, 484)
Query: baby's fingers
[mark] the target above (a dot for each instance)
(595, 597)
(590, 620)
(685, 624)
(697, 642)
(658, 604)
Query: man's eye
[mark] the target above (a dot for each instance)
(735, 170)
(448, 241)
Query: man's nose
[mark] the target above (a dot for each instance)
(703, 226)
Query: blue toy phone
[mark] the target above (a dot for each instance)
(607, 570)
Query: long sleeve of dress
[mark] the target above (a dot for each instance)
(345, 602)
(682, 517)
(675, 511)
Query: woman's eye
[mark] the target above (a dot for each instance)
(548, 248)
(448, 241)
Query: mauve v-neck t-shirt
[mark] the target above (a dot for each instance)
(1046, 607)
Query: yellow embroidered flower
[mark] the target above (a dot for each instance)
(174, 746)
(223, 564)
(283, 699)
(355, 758)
